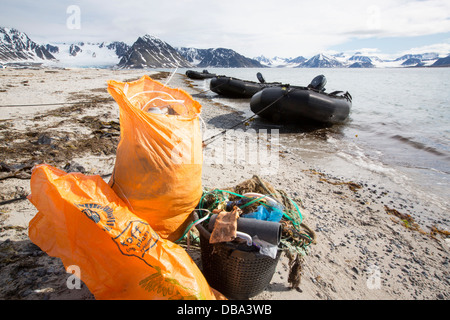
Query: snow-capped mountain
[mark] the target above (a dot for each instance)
(442, 62)
(278, 62)
(359, 61)
(356, 60)
(16, 46)
(217, 58)
(81, 54)
(359, 58)
(418, 60)
(151, 52)
(361, 64)
(192, 55)
(264, 60)
(321, 61)
(299, 60)
(422, 57)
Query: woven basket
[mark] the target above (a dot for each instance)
(235, 270)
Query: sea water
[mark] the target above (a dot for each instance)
(397, 134)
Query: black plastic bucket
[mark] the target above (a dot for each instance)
(237, 271)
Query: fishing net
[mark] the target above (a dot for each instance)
(296, 235)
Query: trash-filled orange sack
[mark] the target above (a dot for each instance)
(82, 221)
(159, 157)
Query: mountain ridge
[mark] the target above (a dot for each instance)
(218, 57)
(151, 52)
(16, 45)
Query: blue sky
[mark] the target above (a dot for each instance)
(286, 28)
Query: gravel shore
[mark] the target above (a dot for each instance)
(368, 244)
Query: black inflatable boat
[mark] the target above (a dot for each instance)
(192, 74)
(301, 104)
(238, 88)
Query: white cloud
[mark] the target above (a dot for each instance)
(294, 27)
(443, 49)
(415, 18)
(283, 28)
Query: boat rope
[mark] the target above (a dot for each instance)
(13, 200)
(211, 139)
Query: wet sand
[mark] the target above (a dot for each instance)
(367, 245)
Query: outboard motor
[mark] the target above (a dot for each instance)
(318, 83)
(260, 77)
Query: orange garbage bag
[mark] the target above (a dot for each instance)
(158, 164)
(82, 221)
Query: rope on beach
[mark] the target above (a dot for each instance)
(12, 200)
(41, 104)
(24, 197)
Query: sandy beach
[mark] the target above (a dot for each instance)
(367, 245)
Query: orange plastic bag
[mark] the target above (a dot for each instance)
(83, 222)
(159, 158)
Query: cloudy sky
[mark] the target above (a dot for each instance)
(288, 28)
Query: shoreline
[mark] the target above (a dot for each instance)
(366, 248)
